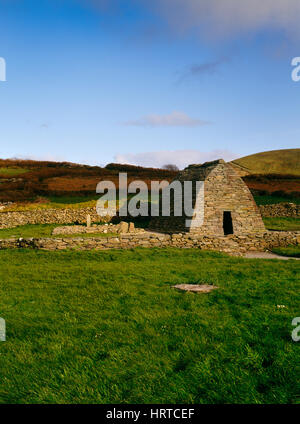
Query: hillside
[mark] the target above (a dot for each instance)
(284, 162)
(23, 180)
(275, 173)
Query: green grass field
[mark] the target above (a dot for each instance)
(271, 200)
(55, 203)
(103, 327)
(11, 172)
(78, 202)
(282, 223)
(58, 202)
(291, 251)
(43, 230)
(285, 161)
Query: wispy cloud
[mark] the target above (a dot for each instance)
(230, 18)
(200, 69)
(181, 158)
(217, 18)
(174, 119)
(45, 125)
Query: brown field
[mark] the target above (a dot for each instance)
(25, 180)
(22, 180)
(272, 184)
(88, 184)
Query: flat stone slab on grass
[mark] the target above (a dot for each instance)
(268, 255)
(195, 288)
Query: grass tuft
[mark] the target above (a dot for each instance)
(291, 251)
(282, 223)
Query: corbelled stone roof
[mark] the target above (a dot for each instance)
(199, 172)
(223, 192)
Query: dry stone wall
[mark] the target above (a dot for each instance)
(70, 216)
(49, 216)
(280, 210)
(235, 244)
(122, 227)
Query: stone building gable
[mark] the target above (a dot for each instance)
(227, 202)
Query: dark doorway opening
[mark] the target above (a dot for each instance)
(227, 223)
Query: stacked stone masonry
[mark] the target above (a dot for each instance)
(224, 192)
(71, 216)
(49, 216)
(234, 244)
(281, 210)
(122, 227)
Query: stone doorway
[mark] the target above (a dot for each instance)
(227, 223)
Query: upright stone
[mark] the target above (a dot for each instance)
(88, 221)
(123, 228)
(131, 227)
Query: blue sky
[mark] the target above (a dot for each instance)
(175, 82)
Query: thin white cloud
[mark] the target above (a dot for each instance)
(174, 119)
(219, 18)
(181, 158)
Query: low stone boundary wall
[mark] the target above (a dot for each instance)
(280, 210)
(236, 245)
(122, 227)
(71, 216)
(48, 216)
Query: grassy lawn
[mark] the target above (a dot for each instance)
(11, 172)
(63, 202)
(271, 200)
(54, 203)
(284, 161)
(59, 202)
(78, 202)
(105, 327)
(282, 223)
(69, 200)
(43, 230)
(292, 251)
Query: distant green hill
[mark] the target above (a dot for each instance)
(286, 161)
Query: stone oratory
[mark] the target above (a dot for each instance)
(227, 206)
